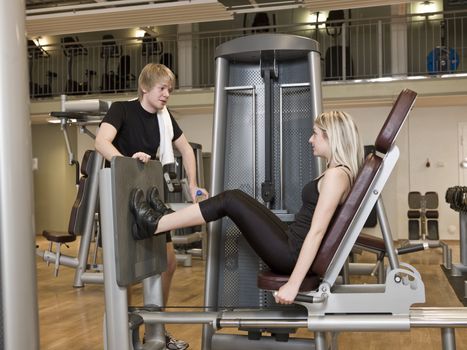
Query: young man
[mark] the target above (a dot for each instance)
(133, 129)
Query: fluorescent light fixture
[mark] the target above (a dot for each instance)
(319, 16)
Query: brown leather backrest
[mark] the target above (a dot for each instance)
(87, 162)
(393, 124)
(344, 216)
(79, 208)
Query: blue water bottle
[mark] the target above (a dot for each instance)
(199, 195)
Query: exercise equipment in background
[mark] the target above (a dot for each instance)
(109, 49)
(333, 58)
(84, 219)
(457, 273)
(423, 216)
(191, 241)
(71, 49)
(442, 59)
(36, 52)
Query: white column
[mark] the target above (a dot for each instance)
(185, 55)
(399, 40)
(18, 287)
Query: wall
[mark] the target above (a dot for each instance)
(54, 180)
(425, 135)
(431, 132)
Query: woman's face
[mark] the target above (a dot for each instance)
(320, 143)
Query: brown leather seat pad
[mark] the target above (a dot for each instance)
(59, 237)
(366, 241)
(268, 280)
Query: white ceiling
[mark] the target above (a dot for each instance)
(325, 5)
(83, 18)
(55, 17)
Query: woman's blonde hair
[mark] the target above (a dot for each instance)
(152, 74)
(344, 139)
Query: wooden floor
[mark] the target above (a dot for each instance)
(71, 319)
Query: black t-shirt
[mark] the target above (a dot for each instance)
(137, 129)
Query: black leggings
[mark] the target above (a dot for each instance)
(263, 230)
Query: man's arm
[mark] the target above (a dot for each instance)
(103, 143)
(189, 164)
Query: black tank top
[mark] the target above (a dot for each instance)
(299, 228)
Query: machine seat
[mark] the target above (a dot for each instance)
(78, 211)
(338, 228)
(268, 280)
(58, 237)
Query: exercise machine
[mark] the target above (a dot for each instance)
(324, 305)
(72, 48)
(84, 218)
(190, 241)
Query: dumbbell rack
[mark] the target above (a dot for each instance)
(457, 273)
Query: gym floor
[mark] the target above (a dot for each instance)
(72, 318)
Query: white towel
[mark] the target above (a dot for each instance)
(166, 152)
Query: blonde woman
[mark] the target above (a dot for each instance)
(285, 249)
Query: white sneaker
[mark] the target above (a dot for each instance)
(174, 344)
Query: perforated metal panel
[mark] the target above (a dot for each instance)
(2, 346)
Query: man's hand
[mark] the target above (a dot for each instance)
(141, 156)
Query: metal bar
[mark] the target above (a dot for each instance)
(254, 121)
(418, 317)
(380, 48)
(387, 235)
(64, 260)
(320, 341)
(153, 295)
(201, 317)
(281, 149)
(438, 317)
(448, 337)
(344, 58)
(295, 85)
(217, 178)
(93, 277)
(463, 237)
(116, 302)
(237, 88)
(314, 62)
(86, 236)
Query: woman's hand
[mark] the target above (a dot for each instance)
(141, 156)
(286, 294)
